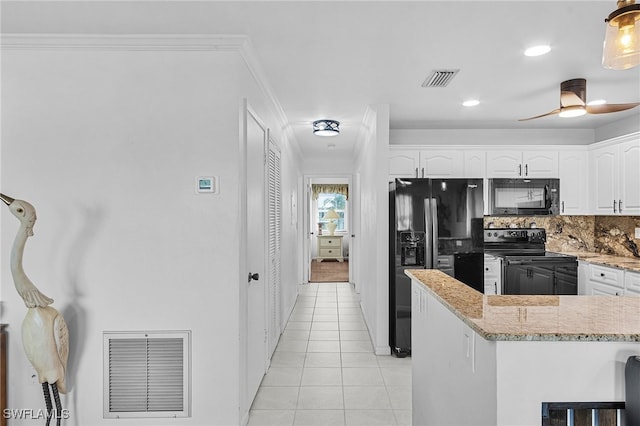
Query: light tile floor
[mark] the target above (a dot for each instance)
(324, 371)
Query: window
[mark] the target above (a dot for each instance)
(146, 374)
(337, 202)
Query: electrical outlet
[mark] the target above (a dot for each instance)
(637, 233)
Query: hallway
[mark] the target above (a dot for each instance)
(324, 371)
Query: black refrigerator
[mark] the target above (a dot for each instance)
(434, 224)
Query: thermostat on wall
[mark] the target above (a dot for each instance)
(207, 184)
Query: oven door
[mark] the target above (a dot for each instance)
(525, 276)
(535, 275)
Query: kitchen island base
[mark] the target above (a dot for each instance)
(462, 378)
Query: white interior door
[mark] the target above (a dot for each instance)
(256, 278)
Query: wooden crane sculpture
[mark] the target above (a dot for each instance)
(45, 337)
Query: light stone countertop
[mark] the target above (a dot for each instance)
(548, 318)
(630, 263)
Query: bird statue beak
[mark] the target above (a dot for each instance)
(7, 200)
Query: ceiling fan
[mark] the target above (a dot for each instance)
(573, 102)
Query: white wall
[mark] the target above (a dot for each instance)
(106, 144)
(373, 273)
(618, 128)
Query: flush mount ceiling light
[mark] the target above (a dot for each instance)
(621, 49)
(537, 50)
(326, 127)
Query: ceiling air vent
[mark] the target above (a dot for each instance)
(439, 78)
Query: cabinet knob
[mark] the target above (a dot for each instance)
(602, 274)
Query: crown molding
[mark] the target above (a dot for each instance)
(240, 44)
(97, 42)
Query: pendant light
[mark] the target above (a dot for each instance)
(622, 39)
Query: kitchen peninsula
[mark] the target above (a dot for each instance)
(493, 360)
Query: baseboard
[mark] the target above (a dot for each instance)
(377, 349)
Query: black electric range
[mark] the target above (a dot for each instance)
(527, 268)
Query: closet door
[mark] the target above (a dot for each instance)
(274, 235)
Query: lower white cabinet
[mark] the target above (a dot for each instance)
(492, 275)
(604, 280)
(631, 283)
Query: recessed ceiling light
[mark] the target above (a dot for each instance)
(597, 102)
(471, 103)
(537, 50)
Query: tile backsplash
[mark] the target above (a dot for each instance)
(601, 234)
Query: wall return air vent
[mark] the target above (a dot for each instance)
(439, 78)
(147, 374)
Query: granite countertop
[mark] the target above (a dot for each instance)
(623, 262)
(545, 318)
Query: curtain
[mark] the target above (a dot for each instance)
(330, 188)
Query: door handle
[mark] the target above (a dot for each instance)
(255, 276)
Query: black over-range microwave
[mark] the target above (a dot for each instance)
(524, 197)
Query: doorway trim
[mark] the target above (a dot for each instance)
(353, 220)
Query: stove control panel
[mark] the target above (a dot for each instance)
(515, 235)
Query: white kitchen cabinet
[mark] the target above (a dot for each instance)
(604, 280)
(475, 164)
(435, 163)
(492, 275)
(522, 164)
(573, 182)
(615, 178)
(629, 183)
(426, 163)
(403, 163)
(583, 276)
(631, 283)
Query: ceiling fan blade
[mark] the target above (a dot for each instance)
(606, 108)
(555, 111)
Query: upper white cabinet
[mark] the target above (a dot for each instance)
(426, 163)
(615, 178)
(441, 163)
(403, 163)
(475, 164)
(573, 182)
(522, 164)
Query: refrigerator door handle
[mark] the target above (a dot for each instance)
(434, 229)
(428, 237)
